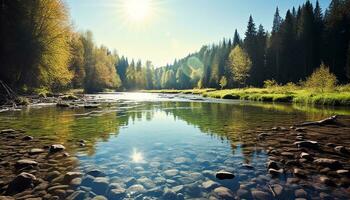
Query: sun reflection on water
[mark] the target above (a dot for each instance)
(137, 157)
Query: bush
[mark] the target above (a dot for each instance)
(270, 83)
(321, 80)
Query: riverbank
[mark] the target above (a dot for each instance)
(339, 97)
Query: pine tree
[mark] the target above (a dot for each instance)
(236, 39)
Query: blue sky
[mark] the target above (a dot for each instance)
(172, 28)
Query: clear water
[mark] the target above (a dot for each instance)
(143, 135)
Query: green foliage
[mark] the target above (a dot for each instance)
(321, 80)
(223, 82)
(270, 83)
(240, 63)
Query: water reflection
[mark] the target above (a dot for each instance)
(165, 143)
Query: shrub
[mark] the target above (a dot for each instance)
(321, 80)
(270, 83)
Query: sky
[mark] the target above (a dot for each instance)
(164, 30)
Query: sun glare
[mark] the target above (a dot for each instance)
(137, 157)
(137, 10)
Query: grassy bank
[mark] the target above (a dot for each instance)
(340, 96)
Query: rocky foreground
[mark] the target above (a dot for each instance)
(306, 161)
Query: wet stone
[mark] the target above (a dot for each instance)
(260, 195)
(327, 181)
(136, 189)
(25, 163)
(300, 173)
(100, 185)
(96, 173)
(36, 151)
(300, 193)
(56, 148)
(306, 156)
(22, 182)
(273, 165)
(341, 150)
(77, 195)
(223, 193)
(343, 172)
(307, 144)
(275, 172)
(209, 185)
(99, 197)
(116, 194)
(327, 162)
(27, 138)
(221, 175)
(171, 172)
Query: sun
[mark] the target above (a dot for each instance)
(137, 10)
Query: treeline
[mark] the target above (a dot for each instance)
(41, 51)
(295, 47)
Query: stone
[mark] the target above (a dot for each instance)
(171, 172)
(209, 185)
(272, 165)
(96, 173)
(306, 156)
(341, 150)
(20, 183)
(247, 166)
(100, 185)
(288, 154)
(307, 144)
(300, 173)
(181, 160)
(327, 181)
(25, 163)
(36, 151)
(168, 194)
(7, 131)
(136, 189)
(56, 148)
(277, 189)
(192, 189)
(27, 138)
(116, 194)
(87, 181)
(6, 198)
(146, 182)
(300, 193)
(243, 193)
(343, 172)
(223, 193)
(99, 197)
(327, 162)
(69, 176)
(52, 175)
(130, 181)
(221, 175)
(275, 172)
(260, 195)
(75, 182)
(77, 195)
(177, 189)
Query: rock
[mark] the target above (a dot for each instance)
(155, 192)
(136, 189)
(117, 194)
(77, 195)
(56, 148)
(306, 156)
(20, 183)
(96, 173)
(52, 175)
(100, 185)
(169, 194)
(87, 181)
(288, 154)
(6, 198)
(300, 193)
(275, 172)
(277, 189)
(300, 173)
(247, 166)
(181, 160)
(260, 195)
(327, 181)
(7, 131)
(327, 162)
(171, 172)
(243, 193)
(177, 189)
(273, 165)
(75, 182)
(307, 144)
(27, 138)
(130, 181)
(69, 176)
(146, 182)
(99, 197)
(343, 172)
(223, 193)
(25, 163)
(221, 175)
(36, 151)
(209, 185)
(263, 135)
(341, 150)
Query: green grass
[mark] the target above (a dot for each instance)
(340, 96)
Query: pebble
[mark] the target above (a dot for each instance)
(25, 163)
(260, 195)
(56, 148)
(223, 193)
(171, 172)
(20, 183)
(209, 185)
(307, 144)
(327, 162)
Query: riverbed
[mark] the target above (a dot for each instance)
(172, 146)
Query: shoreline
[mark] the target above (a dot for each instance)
(265, 95)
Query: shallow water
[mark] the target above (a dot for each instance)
(167, 140)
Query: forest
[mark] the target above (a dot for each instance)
(43, 52)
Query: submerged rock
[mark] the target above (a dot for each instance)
(116, 194)
(100, 185)
(275, 172)
(223, 193)
(209, 185)
(260, 195)
(36, 151)
(273, 165)
(221, 175)
(307, 144)
(171, 172)
(96, 173)
(341, 150)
